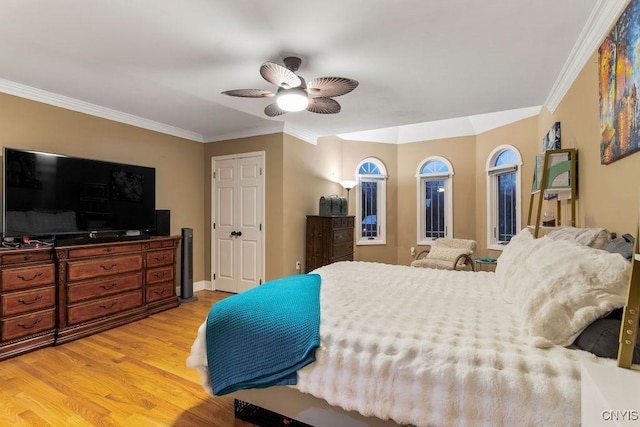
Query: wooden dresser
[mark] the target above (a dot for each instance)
(27, 300)
(329, 239)
(106, 285)
(160, 275)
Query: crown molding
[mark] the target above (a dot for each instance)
(310, 137)
(602, 17)
(276, 127)
(23, 91)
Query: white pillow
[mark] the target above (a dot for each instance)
(595, 237)
(564, 286)
(512, 258)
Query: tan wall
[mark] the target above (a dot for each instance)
(272, 145)
(607, 194)
(460, 152)
(310, 171)
(32, 125)
(353, 153)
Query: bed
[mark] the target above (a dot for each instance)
(429, 347)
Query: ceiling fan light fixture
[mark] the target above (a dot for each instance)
(294, 99)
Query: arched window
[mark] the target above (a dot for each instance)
(435, 199)
(503, 195)
(371, 204)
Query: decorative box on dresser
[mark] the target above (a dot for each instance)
(106, 285)
(329, 239)
(27, 300)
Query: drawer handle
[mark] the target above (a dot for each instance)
(27, 257)
(22, 301)
(104, 267)
(106, 307)
(108, 250)
(35, 276)
(162, 258)
(23, 326)
(108, 287)
(160, 292)
(159, 275)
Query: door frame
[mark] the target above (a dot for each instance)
(262, 155)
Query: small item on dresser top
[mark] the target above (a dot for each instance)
(332, 206)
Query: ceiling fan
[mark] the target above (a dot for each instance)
(293, 93)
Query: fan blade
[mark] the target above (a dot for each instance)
(272, 110)
(279, 75)
(323, 105)
(331, 86)
(249, 93)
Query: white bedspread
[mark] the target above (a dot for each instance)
(433, 347)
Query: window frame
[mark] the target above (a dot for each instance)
(493, 172)
(421, 180)
(381, 205)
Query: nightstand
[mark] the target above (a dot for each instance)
(610, 395)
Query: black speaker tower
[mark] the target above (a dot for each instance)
(186, 262)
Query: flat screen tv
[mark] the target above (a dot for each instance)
(48, 195)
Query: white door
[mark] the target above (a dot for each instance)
(238, 222)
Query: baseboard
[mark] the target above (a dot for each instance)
(198, 286)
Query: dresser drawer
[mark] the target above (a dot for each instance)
(92, 310)
(343, 235)
(32, 300)
(28, 324)
(104, 250)
(344, 258)
(165, 243)
(157, 258)
(342, 249)
(79, 270)
(27, 277)
(158, 292)
(342, 222)
(98, 288)
(32, 256)
(157, 275)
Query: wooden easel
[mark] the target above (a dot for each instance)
(629, 326)
(543, 182)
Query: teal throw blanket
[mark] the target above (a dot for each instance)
(261, 337)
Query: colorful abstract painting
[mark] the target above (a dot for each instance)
(619, 79)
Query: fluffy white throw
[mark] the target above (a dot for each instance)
(433, 348)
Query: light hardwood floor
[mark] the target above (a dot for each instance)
(134, 375)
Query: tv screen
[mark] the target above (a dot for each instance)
(47, 194)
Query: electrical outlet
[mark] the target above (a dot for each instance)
(413, 251)
(298, 265)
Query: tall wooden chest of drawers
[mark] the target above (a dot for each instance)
(329, 239)
(27, 300)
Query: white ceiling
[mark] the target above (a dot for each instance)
(162, 64)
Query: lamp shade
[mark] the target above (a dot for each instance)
(347, 184)
(294, 99)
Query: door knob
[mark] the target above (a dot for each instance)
(234, 234)
(239, 233)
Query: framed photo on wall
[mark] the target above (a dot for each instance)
(551, 140)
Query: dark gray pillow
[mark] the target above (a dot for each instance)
(601, 339)
(622, 245)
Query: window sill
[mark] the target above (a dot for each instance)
(496, 247)
(370, 242)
